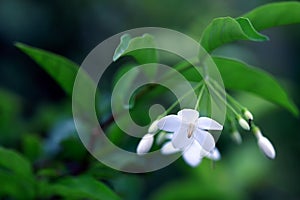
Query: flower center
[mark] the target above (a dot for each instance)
(190, 129)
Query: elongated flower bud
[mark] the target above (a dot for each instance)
(243, 123)
(145, 144)
(153, 127)
(266, 147)
(236, 136)
(264, 144)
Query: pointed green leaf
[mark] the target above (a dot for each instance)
(16, 177)
(240, 76)
(61, 69)
(274, 14)
(82, 187)
(226, 29)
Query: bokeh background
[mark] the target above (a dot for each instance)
(34, 110)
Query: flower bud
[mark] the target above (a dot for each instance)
(243, 123)
(145, 144)
(266, 147)
(153, 127)
(248, 115)
(264, 144)
(236, 136)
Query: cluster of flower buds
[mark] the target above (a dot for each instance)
(246, 123)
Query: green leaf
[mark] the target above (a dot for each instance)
(16, 178)
(142, 49)
(82, 187)
(237, 75)
(62, 70)
(240, 76)
(32, 146)
(15, 163)
(274, 14)
(226, 29)
(120, 50)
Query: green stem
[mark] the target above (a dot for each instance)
(179, 100)
(222, 99)
(199, 97)
(229, 97)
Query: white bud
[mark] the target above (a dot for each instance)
(145, 144)
(248, 115)
(236, 136)
(264, 143)
(153, 127)
(244, 124)
(266, 147)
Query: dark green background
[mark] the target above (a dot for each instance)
(31, 103)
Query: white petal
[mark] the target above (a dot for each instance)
(188, 115)
(145, 144)
(266, 147)
(214, 154)
(192, 154)
(168, 148)
(205, 139)
(180, 138)
(169, 123)
(208, 124)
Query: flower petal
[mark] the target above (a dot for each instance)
(168, 148)
(192, 155)
(208, 124)
(145, 144)
(169, 123)
(188, 115)
(180, 138)
(205, 139)
(214, 154)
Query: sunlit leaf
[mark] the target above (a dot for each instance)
(120, 50)
(226, 29)
(274, 14)
(142, 49)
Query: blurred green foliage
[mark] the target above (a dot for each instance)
(41, 156)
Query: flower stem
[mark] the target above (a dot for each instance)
(229, 97)
(179, 100)
(199, 97)
(222, 99)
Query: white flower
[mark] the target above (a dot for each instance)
(243, 123)
(188, 127)
(193, 154)
(264, 144)
(145, 144)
